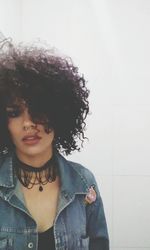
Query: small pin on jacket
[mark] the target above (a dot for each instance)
(91, 195)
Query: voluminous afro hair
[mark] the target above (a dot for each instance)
(52, 88)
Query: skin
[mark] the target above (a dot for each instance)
(35, 152)
(37, 148)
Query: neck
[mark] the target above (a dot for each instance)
(34, 160)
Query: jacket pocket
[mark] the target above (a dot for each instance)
(3, 243)
(83, 243)
(6, 244)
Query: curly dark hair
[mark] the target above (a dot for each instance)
(52, 88)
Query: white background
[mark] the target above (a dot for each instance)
(109, 40)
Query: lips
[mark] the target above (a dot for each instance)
(31, 139)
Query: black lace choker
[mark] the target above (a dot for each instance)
(30, 176)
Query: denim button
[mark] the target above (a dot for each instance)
(30, 245)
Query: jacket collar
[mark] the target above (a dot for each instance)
(6, 171)
(72, 180)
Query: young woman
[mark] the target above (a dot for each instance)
(46, 201)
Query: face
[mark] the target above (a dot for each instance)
(30, 139)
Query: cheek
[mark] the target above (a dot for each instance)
(50, 137)
(10, 128)
(13, 129)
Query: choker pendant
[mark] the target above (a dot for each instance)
(40, 188)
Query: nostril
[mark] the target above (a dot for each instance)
(29, 127)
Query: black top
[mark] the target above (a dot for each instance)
(46, 240)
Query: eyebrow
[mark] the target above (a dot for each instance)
(17, 103)
(13, 107)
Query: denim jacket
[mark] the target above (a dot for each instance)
(78, 225)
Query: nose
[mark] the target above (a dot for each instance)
(28, 124)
